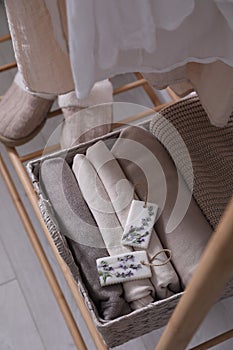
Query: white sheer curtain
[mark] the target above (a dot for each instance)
(108, 37)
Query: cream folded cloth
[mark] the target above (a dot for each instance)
(138, 293)
(136, 150)
(164, 278)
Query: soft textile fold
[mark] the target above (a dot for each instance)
(164, 278)
(107, 38)
(189, 238)
(85, 242)
(214, 85)
(44, 64)
(137, 293)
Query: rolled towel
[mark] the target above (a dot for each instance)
(136, 150)
(138, 293)
(84, 239)
(164, 278)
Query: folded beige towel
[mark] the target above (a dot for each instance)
(188, 239)
(164, 277)
(138, 293)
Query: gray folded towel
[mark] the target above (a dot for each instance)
(83, 236)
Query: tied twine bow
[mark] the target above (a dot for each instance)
(146, 196)
(156, 257)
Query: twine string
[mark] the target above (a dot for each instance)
(146, 197)
(155, 257)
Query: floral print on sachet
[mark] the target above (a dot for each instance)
(123, 267)
(139, 224)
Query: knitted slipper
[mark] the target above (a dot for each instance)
(82, 123)
(22, 115)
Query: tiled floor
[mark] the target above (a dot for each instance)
(29, 316)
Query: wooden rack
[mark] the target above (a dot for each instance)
(202, 291)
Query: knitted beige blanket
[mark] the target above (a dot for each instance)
(210, 149)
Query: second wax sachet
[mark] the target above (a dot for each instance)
(139, 224)
(123, 268)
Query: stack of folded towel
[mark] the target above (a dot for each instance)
(92, 204)
(82, 234)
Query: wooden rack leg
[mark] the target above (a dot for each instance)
(8, 66)
(149, 90)
(214, 341)
(205, 287)
(21, 172)
(72, 326)
(172, 94)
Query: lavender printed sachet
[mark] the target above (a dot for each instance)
(123, 268)
(139, 224)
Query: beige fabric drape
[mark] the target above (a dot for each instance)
(213, 82)
(214, 85)
(42, 62)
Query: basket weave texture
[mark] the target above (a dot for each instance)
(125, 328)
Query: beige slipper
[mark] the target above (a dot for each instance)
(22, 115)
(88, 118)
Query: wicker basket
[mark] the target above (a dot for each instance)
(125, 328)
